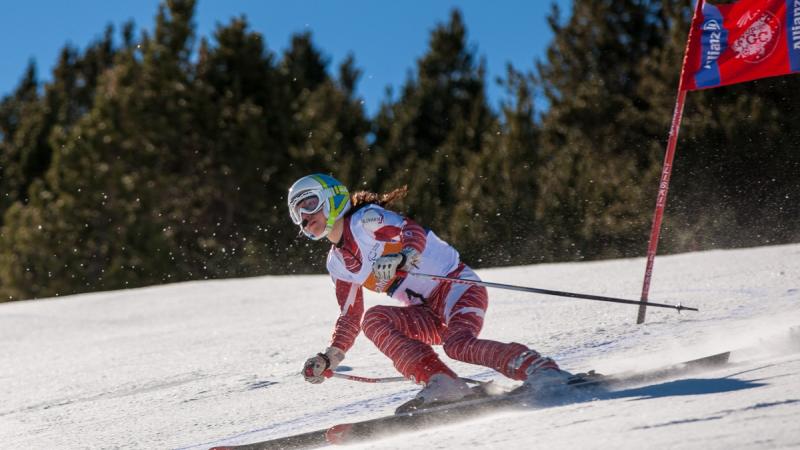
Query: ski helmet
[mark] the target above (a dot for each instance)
(331, 197)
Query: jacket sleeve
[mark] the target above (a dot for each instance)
(413, 236)
(348, 325)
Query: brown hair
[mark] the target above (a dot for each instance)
(362, 198)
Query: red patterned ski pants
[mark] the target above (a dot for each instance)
(452, 317)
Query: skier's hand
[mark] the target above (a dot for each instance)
(386, 267)
(315, 366)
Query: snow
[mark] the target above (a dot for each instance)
(198, 364)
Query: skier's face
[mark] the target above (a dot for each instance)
(314, 223)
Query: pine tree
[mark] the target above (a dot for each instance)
(13, 111)
(498, 205)
(440, 121)
(178, 170)
(94, 221)
(598, 136)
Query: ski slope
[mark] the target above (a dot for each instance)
(198, 364)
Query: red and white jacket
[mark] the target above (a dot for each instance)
(370, 232)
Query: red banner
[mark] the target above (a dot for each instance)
(741, 41)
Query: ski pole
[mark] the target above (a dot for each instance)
(328, 373)
(677, 307)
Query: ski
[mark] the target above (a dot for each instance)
(453, 412)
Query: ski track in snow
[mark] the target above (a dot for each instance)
(197, 364)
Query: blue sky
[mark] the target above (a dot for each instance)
(386, 37)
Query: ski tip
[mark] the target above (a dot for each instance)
(409, 407)
(337, 434)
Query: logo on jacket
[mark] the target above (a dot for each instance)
(760, 39)
(372, 220)
(373, 253)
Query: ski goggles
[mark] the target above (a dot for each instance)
(308, 202)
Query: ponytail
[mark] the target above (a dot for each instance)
(362, 198)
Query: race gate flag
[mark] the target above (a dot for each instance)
(741, 41)
(728, 43)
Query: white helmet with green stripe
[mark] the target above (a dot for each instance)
(314, 192)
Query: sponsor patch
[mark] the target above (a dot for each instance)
(372, 220)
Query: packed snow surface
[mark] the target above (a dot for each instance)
(198, 364)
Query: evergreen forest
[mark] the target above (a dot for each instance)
(156, 156)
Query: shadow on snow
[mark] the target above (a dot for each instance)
(673, 388)
(690, 386)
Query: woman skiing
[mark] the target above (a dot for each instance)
(377, 249)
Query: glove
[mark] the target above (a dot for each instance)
(386, 267)
(314, 368)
